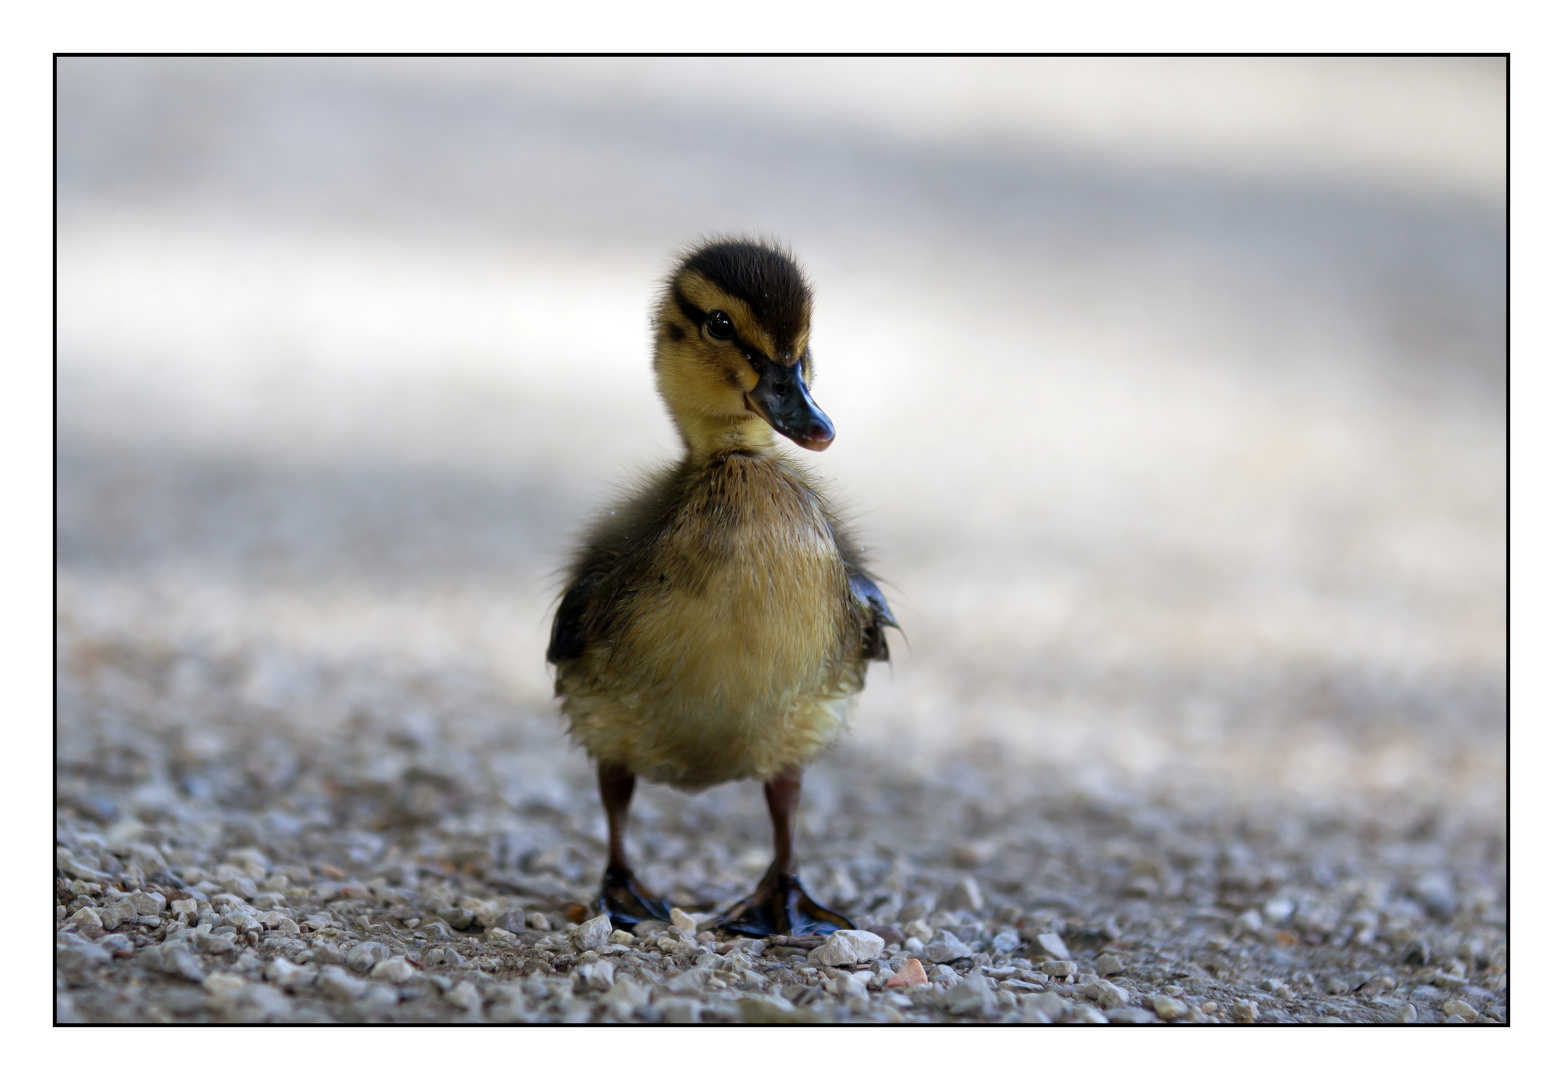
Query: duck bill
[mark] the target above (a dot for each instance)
(784, 403)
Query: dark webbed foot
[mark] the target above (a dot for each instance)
(780, 906)
(626, 904)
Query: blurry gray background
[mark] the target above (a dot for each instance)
(1170, 393)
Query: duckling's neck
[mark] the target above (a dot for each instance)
(705, 437)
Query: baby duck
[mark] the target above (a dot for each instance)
(719, 621)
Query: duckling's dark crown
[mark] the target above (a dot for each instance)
(764, 278)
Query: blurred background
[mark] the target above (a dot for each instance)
(1170, 392)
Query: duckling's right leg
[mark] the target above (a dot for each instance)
(621, 897)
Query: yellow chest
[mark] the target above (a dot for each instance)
(741, 604)
(730, 655)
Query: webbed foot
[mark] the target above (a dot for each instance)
(623, 900)
(780, 906)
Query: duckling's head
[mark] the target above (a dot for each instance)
(732, 349)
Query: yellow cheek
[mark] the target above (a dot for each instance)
(724, 370)
(744, 377)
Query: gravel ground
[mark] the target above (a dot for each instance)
(227, 852)
(1201, 712)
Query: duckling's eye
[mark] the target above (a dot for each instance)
(719, 326)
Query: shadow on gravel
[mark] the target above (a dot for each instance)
(142, 509)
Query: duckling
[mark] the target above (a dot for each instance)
(718, 622)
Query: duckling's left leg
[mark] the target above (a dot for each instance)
(779, 905)
(621, 897)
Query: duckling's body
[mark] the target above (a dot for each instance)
(726, 639)
(717, 624)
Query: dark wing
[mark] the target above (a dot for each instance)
(606, 560)
(568, 640)
(867, 591)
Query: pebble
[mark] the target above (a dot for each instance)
(678, 1011)
(326, 952)
(215, 944)
(1085, 1014)
(682, 921)
(972, 854)
(459, 918)
(1107, 964)
(224, 986)
(687, 982)
(945, 947)
(973, 994)
(1461, 1008)
(910, 973)
(66, 862)
(376, 1001)
(1108, 995)
(88, 918)
(849, 947)
(147, 903)
(1245, 1011)
(1006, 941)
(1379, 984)
(943, 975)
(116, 913)
(964, 895)
(365, 956)
(1058, 969)
(175, 959)
(1406, 1014)
(1051, 1005)
(77, 960)
(286, 974)
(464, 996)
(116, 945)
(1130, 1016)
(1436, 891)
(1169, 1008)
(592, 934)
(1250, 921)
(338, 984)
(848, 988)
(394, 970)
(240, 885)
(672, 946)
(269, 1001)
(598, 976)
(1279, 910)
(628, 992)
(769, 1009)
(1049, 944)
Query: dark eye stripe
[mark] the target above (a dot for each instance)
(692, 312)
